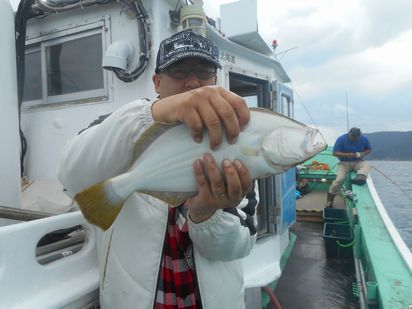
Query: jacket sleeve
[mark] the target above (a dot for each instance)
(230, 233)
(104, 150)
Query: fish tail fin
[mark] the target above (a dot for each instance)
(99, 204)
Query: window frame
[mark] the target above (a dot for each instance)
(283, 103)
(286, 106)
(31, 50)
(60, 36)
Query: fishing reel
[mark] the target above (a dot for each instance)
(350, 195)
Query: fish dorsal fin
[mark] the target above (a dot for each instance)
(148, 136)
(174, 199)
(261, 109)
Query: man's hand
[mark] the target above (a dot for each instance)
(347, 154)
(217, 191)
(207, 107)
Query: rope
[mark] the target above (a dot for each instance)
(345, 245)
(304, 106)
(342, 222)
(273, 299)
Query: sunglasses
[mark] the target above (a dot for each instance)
(182, 71)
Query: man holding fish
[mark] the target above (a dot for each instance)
(154, 255)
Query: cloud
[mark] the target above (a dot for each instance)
(335, 34)
(374, 71)
(358, 47)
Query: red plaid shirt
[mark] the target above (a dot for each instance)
(176, 285)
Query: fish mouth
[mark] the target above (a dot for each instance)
(314, 143)
(285, 147)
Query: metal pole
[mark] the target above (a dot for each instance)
(365, 291)
(359, 280)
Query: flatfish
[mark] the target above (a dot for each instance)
(164, 155)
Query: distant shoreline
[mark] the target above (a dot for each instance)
(389, 160)
(390, 146)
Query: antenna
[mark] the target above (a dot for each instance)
(284, 51)
(347, 112)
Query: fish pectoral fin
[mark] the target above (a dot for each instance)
(174, 199)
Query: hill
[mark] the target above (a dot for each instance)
(390, 146)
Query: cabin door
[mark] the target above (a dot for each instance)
(256, 93)
(283, 103)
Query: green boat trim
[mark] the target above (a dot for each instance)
(383, 260)
(396, 237)
(385, 257)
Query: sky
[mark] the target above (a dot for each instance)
(354, 53)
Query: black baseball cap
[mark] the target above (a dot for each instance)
(355, 132)
(186, 44)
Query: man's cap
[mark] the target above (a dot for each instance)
(355, 132)
(186, 44)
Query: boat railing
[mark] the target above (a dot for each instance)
(31, 280)
(21, 214)
(393, 232)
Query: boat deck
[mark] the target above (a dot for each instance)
(316, 200)
(310, 279)
(310, 207)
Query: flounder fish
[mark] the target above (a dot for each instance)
(164, 154)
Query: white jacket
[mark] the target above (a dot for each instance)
(132, 247)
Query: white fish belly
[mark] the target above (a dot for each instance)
(167, 165)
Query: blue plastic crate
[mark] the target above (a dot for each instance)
(335, 215)
(338, 240)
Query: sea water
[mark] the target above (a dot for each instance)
(393, 182)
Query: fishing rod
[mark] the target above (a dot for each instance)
(394, 183)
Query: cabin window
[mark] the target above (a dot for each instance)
(256, 94)
(66, 67)
(71, 69)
